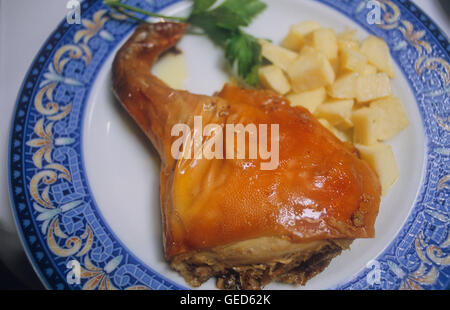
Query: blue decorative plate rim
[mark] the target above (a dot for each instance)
(55, 212)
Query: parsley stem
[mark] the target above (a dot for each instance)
(118, 5)
(129, 15)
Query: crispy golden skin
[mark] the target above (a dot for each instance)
(321, 190)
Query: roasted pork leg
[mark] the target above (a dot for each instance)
(228, 218)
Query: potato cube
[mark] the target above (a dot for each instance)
(335, 65)
(381, 158)
(365, 130)
(348, 43)
(308, 99)
(373, 86)
(347, 35)
(297, 33)
(341, 135)
(352, 60)
(369, 69)
(377, 53)
(307, 50)
(345, 126)
(273, 77)
(325, 41)
(325, 123)
(392, 118)
(310, 71)
(336, 111)
(344, 87)
(277, 55)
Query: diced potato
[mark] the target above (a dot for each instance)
(348, 43)
(310, 71)
(273, 77)
(336, 111)
(341, 135)
(344, 87)
(327, 73)
(347, 35)
(325, 41)
(381, 158)
(373, 86)
(308, 99)
(307, 50)
(297, 33)
(365, 124)
(335, 65)
(345, 126)
(277, 55)
(352, 60)
(325, 123)
(377, 53)
(392, 118)
(382, 120)
(369, 69)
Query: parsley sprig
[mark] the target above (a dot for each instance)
(223, 24)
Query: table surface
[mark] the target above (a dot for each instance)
(24, 26)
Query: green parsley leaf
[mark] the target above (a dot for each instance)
(244, 51)
(246, 10)
(202, 5)
(223, 18)
(207, 23)
(231, 14)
